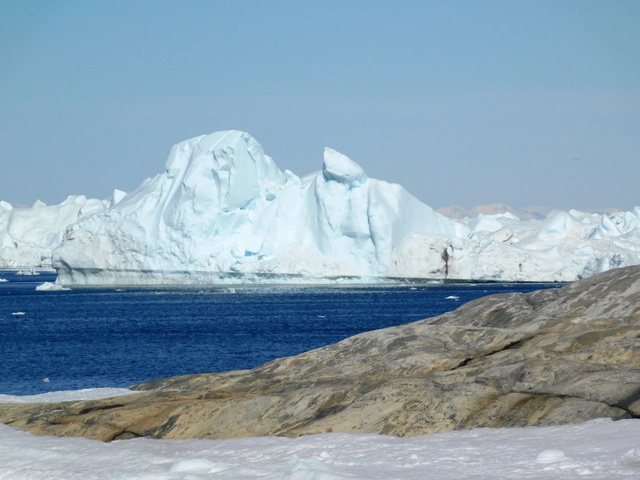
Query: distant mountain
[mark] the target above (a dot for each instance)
(461, 212)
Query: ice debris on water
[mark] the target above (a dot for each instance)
(50, 286)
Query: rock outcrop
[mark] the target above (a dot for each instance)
(549, 357)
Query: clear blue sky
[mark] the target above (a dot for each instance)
(462, 102)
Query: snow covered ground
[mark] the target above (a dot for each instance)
(599, 449)
(223, 212)
(67, 395)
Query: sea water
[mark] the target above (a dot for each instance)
(116, 337)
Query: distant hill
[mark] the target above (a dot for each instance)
(460, 212)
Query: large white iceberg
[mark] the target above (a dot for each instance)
(222, 211)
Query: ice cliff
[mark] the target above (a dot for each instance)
(222, 211)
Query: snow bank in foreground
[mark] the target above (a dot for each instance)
(599, 449)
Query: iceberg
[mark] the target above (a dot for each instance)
(28, 235)
(563, 247)
(223, 212)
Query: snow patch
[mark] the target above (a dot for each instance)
(67, 395)
(551, 456)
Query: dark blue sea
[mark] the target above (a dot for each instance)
(116, 337)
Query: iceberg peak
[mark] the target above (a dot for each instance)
(224, 170)
(340, 168)
(5, 206)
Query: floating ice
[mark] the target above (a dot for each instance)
(30, 272)
(50, 286)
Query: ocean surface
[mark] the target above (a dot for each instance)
(116, 337)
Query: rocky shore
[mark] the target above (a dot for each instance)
(549, 357)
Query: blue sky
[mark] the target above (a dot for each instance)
(461, 102)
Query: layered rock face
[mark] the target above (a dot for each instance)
(549, 357)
